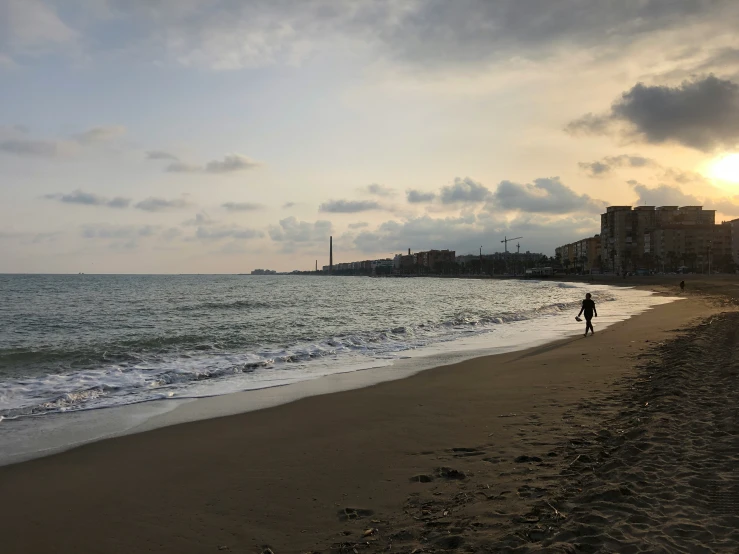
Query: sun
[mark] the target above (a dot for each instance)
(726, 168)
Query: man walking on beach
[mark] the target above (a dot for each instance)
(588, 308)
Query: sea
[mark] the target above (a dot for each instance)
(72, 344)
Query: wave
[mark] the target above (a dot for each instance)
(139, 376)
(232, 305)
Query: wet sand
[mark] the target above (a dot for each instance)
(623, 440)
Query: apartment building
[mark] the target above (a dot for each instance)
(433, 258)
(582, 255)
(693, 246)
(734, 225)
(628, 233)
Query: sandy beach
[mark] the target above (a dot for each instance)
(622, 442)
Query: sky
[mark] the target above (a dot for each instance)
(220, 136)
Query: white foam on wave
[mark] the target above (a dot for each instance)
(27, 437)
(208, 373)
(212, 372)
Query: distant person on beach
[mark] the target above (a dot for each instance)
(588, 308)
(682, 285)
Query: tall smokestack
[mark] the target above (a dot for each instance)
(409, 251)
(330, 255)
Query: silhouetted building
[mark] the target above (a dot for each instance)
(628, 234)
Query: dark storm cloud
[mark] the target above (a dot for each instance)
(242, 206)
(701, 114)
(546, 195)
(607, 164)
(349, 206)
(464, 191)
(154, 204)
(89, 199)
(419, 197)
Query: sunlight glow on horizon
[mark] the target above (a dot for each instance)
(726, 168)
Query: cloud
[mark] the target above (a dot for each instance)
(663, 195)
(378, 190)
(15, 141)
(607, 164)
(89, 199)
(723, 61)
(479, 31)
(290, 230)
(546, 195)
(358, 225)
(418, 233)
(172, 233)
(160, 155)
(684, 177)
(105, 231)
(100, 134)
(29, 238)
(242, 206)
(349, 206)
(465, 234)
(419, 197)
(223, 232)
(671, 195)
(201, 218)
(287, 205)
(155, 204)
(702, 114)
(31, 27)
(6, 61)
(34, 148)
(182, 167)
(595, 169)
(229, 164)
(231, 34)
(464, 191)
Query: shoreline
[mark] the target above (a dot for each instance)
(39, 436)
(298, 476)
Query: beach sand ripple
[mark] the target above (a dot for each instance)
(650, 466)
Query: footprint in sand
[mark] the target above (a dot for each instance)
(464, 452)
(450, 473)
(348, 514)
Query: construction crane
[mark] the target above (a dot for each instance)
(506, 240)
